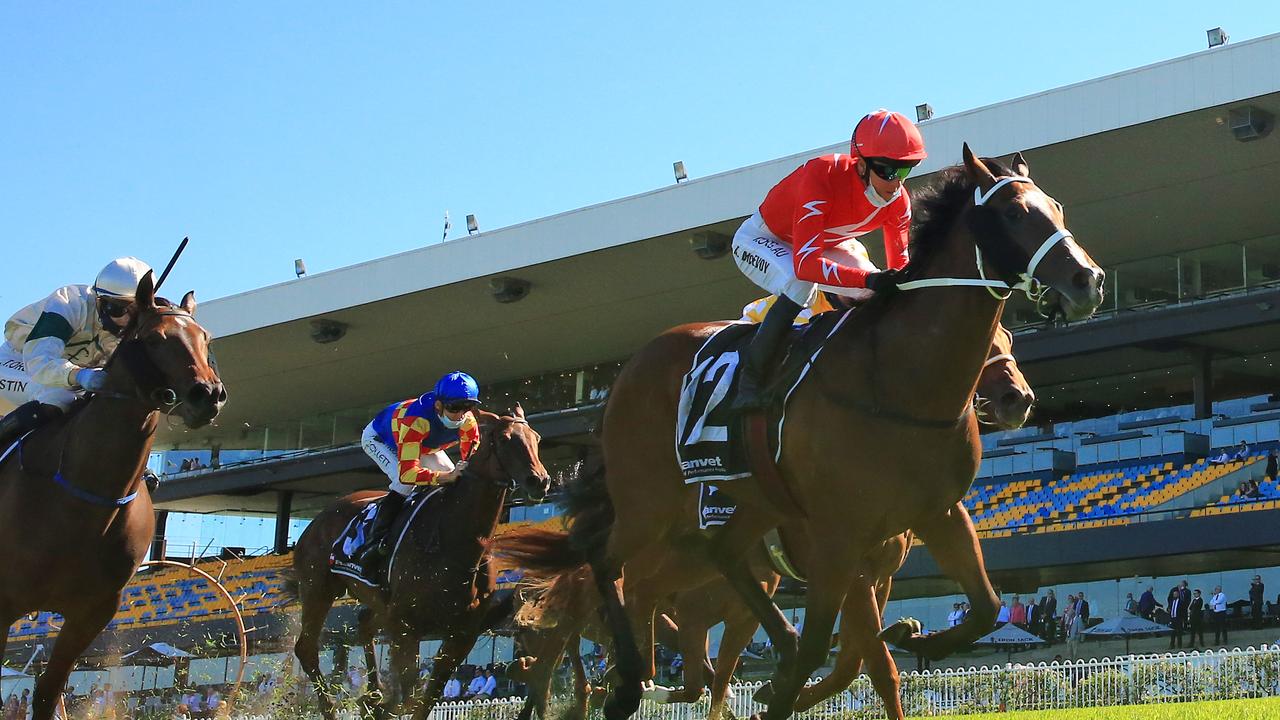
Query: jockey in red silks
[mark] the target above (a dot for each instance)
(803, 236)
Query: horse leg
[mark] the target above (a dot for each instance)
(953, 543)
(737, 635)
(366, 634)
(826, 594)
(77, 632)
(625, 699)
(452, 652)
(581, 687)
(691, 637)
(848, 663)
(863, 609)
(315, 608)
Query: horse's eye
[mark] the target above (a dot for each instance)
(1013, 213)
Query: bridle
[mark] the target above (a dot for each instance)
(506, 478)
(1027, 284)
(132, 353)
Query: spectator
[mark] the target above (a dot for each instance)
(1218, 606)
(1195, 620)
(1221, 458)
(1242, 451)
(1255, 600)
(1068, 615)
(956, 616)
(1147, 604)
(1018, 613)
(1049, 610)
(212, 702)
(475, 686)
(453, 688)
(490, 686)
(1130, 605)
(1178, 614)
(1033, 616)
(964, 611)
(11, 708)
(1082, 611)
(1249, 489)
(355, 680)
(1002, 615)
(1271, 465)
(24, 705)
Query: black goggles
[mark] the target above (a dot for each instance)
(114, 307)
(459, 406)
(890, 171)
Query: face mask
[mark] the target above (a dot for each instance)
(874, 198)
(451, 424)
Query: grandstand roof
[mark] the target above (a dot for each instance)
(1140, 159)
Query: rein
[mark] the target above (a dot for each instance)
(509, 480)
(1027, 284)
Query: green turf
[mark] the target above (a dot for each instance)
(1267, 708)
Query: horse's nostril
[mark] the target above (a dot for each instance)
(222, 393)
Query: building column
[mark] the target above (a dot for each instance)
(158, 540)
(1202, 382)
(284, 505)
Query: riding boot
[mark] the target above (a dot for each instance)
(758, 357)
(388, 508)
(24, 419)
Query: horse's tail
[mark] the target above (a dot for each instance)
(590, 511)
(291, 588)
(545, 603)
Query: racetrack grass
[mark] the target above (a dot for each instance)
(1265, 708)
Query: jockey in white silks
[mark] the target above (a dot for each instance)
(55, 349)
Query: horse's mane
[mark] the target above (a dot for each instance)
(936, 207)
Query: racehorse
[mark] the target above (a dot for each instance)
(1004, 399)
(890, 442)
(438, 584)
(72, 498)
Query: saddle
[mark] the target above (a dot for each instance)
(713, 446)
(343, 557)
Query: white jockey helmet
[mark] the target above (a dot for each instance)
(120, 278)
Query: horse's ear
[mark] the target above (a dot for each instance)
(518, 411)
(189, 302)
(977, 169)
(145, 296)
(1020, 166)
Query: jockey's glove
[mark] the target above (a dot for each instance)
(885, 282)
(91, 379)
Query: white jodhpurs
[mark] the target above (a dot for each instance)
(17, 387)
(768, 262)
(388, 460)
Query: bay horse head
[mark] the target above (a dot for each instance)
(1004, 398)
(508, 452)
(163, 359)
(1024, 238)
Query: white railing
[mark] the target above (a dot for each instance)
(1126, 680)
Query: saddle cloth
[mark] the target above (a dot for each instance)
(710, 445)
(352, 539)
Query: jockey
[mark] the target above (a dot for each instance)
(55, 349)
(420, 430)
(803, 236)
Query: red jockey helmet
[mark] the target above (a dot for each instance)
(885, 134)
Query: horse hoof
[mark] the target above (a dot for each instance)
(764, 694)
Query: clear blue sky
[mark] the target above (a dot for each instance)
(340, 132)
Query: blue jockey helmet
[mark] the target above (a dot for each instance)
(456, 386)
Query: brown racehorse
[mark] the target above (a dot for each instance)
(80, 540)
(439, 584)
(1006, 400)
(889, 440)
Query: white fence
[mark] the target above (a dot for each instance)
(1126, 680)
